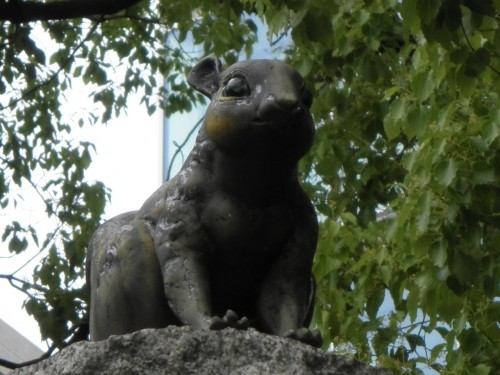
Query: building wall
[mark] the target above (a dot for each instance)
(15, 347)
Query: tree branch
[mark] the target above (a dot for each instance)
(11, 278)
(18, 11)
(13, 365)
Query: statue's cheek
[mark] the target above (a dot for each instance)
(219, 128)
(228, 134)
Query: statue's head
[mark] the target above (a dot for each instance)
(256, 106)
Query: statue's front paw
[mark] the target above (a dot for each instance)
(307, 336)
(230, 319)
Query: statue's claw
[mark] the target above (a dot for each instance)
(307, 336)
(230, 319)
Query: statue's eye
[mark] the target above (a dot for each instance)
(236, 87)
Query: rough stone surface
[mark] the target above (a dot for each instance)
(181, 350)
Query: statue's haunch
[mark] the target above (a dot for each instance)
(229, 241)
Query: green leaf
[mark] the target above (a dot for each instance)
(427, 10)
(348, 217)
(448, 303)
(412, 302)
(491, 128)
(392, 127)
(392, 121)
(373, 303)
(483, 173)
(390, 92)
(470, 341)
(318, 27)
(460, 323)
(414, 341)
(417, 121)
(476, 62)
(422, 86)
(446, 172)
(425, 203)
(479, 144)
(481, 369)
(465, 83)
(443, 331)
(17, 245)
(411, 22)
(438, 253)
(436, 351)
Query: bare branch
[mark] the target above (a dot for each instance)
(179, 147)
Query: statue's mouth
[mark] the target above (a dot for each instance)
(285, 120)
(258, 121)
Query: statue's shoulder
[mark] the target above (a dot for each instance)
(189, 184)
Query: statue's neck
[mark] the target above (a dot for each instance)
(254, 177)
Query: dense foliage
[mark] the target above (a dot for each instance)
(405, 171)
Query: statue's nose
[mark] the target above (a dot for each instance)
(288, 101)
(285, 104)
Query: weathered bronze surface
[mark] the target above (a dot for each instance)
(229, 241)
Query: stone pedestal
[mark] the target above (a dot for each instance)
(183, 351)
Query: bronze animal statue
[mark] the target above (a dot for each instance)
(229, 241)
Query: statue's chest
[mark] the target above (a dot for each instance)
(240, 230)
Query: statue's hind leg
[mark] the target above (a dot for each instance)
(125, 280)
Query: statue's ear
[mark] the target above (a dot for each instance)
(205, 76)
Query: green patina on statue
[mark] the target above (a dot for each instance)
(229, 241)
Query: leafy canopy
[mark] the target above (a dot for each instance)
(404, 172)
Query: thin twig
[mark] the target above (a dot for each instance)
(412, 325)
(8, 256)
(179, 147)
